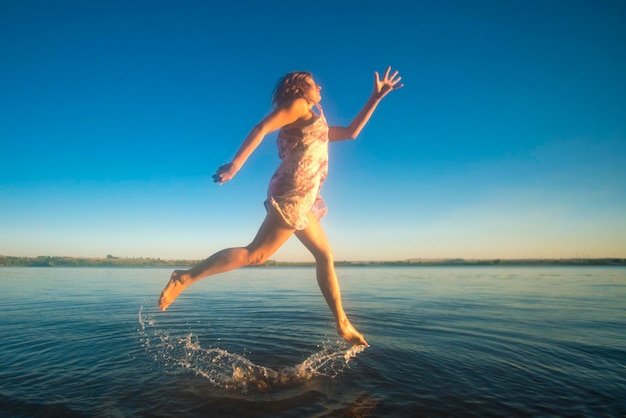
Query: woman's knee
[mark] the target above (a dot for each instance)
(256, 257)
(323, 256)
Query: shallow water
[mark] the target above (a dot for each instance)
(260, 342)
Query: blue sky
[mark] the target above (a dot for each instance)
(508, 140)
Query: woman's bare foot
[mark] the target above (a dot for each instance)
(347, 331)
(172, 290)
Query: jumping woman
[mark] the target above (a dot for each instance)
(293, 203)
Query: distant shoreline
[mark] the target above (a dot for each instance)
(111, 261)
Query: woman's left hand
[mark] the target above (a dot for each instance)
(224, 173)
(388, 83)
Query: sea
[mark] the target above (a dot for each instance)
(490, 341)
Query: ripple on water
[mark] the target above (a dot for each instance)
(183, 353)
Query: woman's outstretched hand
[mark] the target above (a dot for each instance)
(386, 84)
(224, 173)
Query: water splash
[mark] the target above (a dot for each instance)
(231, 371)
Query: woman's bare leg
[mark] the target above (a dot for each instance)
(272, 234)
(315, 240)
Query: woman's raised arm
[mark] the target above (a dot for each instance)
(382, 87)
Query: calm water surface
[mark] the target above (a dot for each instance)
(460, 341)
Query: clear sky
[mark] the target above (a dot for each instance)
(507, 141)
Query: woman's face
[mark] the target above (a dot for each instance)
(313, 93)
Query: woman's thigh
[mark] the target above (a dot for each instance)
(272, 234)
(314, 238)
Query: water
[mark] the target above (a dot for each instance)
(459, 341)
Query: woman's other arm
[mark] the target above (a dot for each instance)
(280, 117)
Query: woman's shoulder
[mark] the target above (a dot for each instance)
(303, 107)
(299, 105)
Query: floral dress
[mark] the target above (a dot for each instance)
(294, 187)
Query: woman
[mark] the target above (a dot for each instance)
(293, 204)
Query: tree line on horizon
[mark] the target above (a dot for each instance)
(111, 261)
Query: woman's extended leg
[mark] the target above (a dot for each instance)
(272, 234)
(315, 240)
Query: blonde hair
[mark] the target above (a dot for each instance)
(290, 86)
